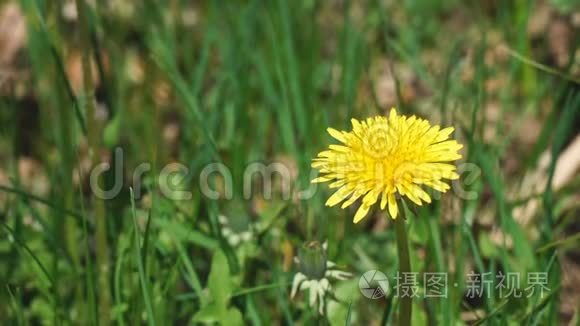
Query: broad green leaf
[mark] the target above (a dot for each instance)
(232, 317)
(339, 312)
(210, 313)
(219, 281)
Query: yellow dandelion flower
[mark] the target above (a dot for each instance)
(383, 156)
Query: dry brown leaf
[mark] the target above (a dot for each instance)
(539, 20)
(559, 39)
(385, 87)
(32, 177)
(74, 69)
(567, 164)
(288, 253)
(570, 296)
(12, 33)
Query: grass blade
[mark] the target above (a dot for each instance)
(139, 259)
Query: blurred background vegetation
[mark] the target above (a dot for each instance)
(238, 82)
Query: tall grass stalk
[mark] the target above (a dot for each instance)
(102, 247)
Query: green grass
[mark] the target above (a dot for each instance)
(255, 81)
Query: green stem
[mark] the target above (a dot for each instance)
(405, 304)
(102, 248)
